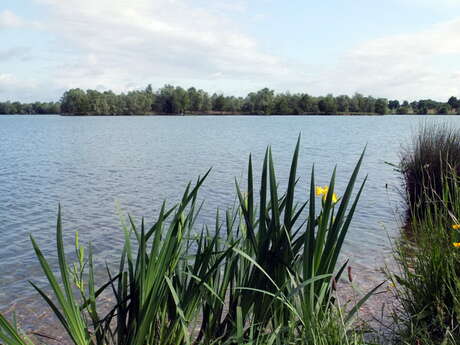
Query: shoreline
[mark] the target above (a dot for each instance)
(231, 114)
(226, 114)
(215, 115)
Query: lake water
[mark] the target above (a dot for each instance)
(94, 165)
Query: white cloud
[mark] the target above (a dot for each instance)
(9, 83)
(417, 65)
(437, 4)
(120, 43)
(10, 20)
(20, 52)
(29, 89)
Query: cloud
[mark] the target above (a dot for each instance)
(417, 65)
(21, 53)
(437, 4)
(9, 82)
(30, 89)
(119, 43)
(9, 20)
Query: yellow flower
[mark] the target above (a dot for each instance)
(334, 198)
(456, 226)
(322, 191)
(456, 244)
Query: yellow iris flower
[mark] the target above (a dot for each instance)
(456, 244)
(322, 191)
(456, 226)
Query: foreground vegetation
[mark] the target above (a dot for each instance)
(428, 254)
(427, 165)
(264, 273)
(177, 100)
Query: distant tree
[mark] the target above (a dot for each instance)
(422, 107)
(368, 104)
(393, 105)
(402, 110)
(343, 103)
(381, 106)
(454, 102)
(75, 101)
(264, 101)
(149, 89)
(195, 99)
(218, 102)
(282, 105)
(307, 104)
(249, 104)
(182, 99)
(171, 100)
(327, 105)
(206, 105)
(444, 109)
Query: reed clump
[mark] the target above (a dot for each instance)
(427, 286)
(263, 273)
(432, 154)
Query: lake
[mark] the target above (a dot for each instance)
(96, 166)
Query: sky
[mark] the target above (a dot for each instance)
(397, 49)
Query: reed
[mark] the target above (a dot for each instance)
(432, 154)
(427, 287)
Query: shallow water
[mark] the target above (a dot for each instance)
(93, 165)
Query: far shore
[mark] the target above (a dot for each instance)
(216, 113)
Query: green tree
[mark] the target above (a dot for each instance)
(343, 103)
(264, 101)
(393, 105)
(381, 106)
(282, 105)
(327, 105)
(206, 105)
(307, 104)
(454, 102)
(218, 102)
(75, 101)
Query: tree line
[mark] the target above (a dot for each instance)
(177, 100)
(30, 108)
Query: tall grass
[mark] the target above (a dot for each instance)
(432, 154)
(428, 285)
(263, 273)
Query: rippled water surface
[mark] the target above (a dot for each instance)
(94, 165)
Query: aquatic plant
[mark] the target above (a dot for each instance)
(264, 273)
(427, 285)
(432, 154)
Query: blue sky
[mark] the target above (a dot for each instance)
(406, 49)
